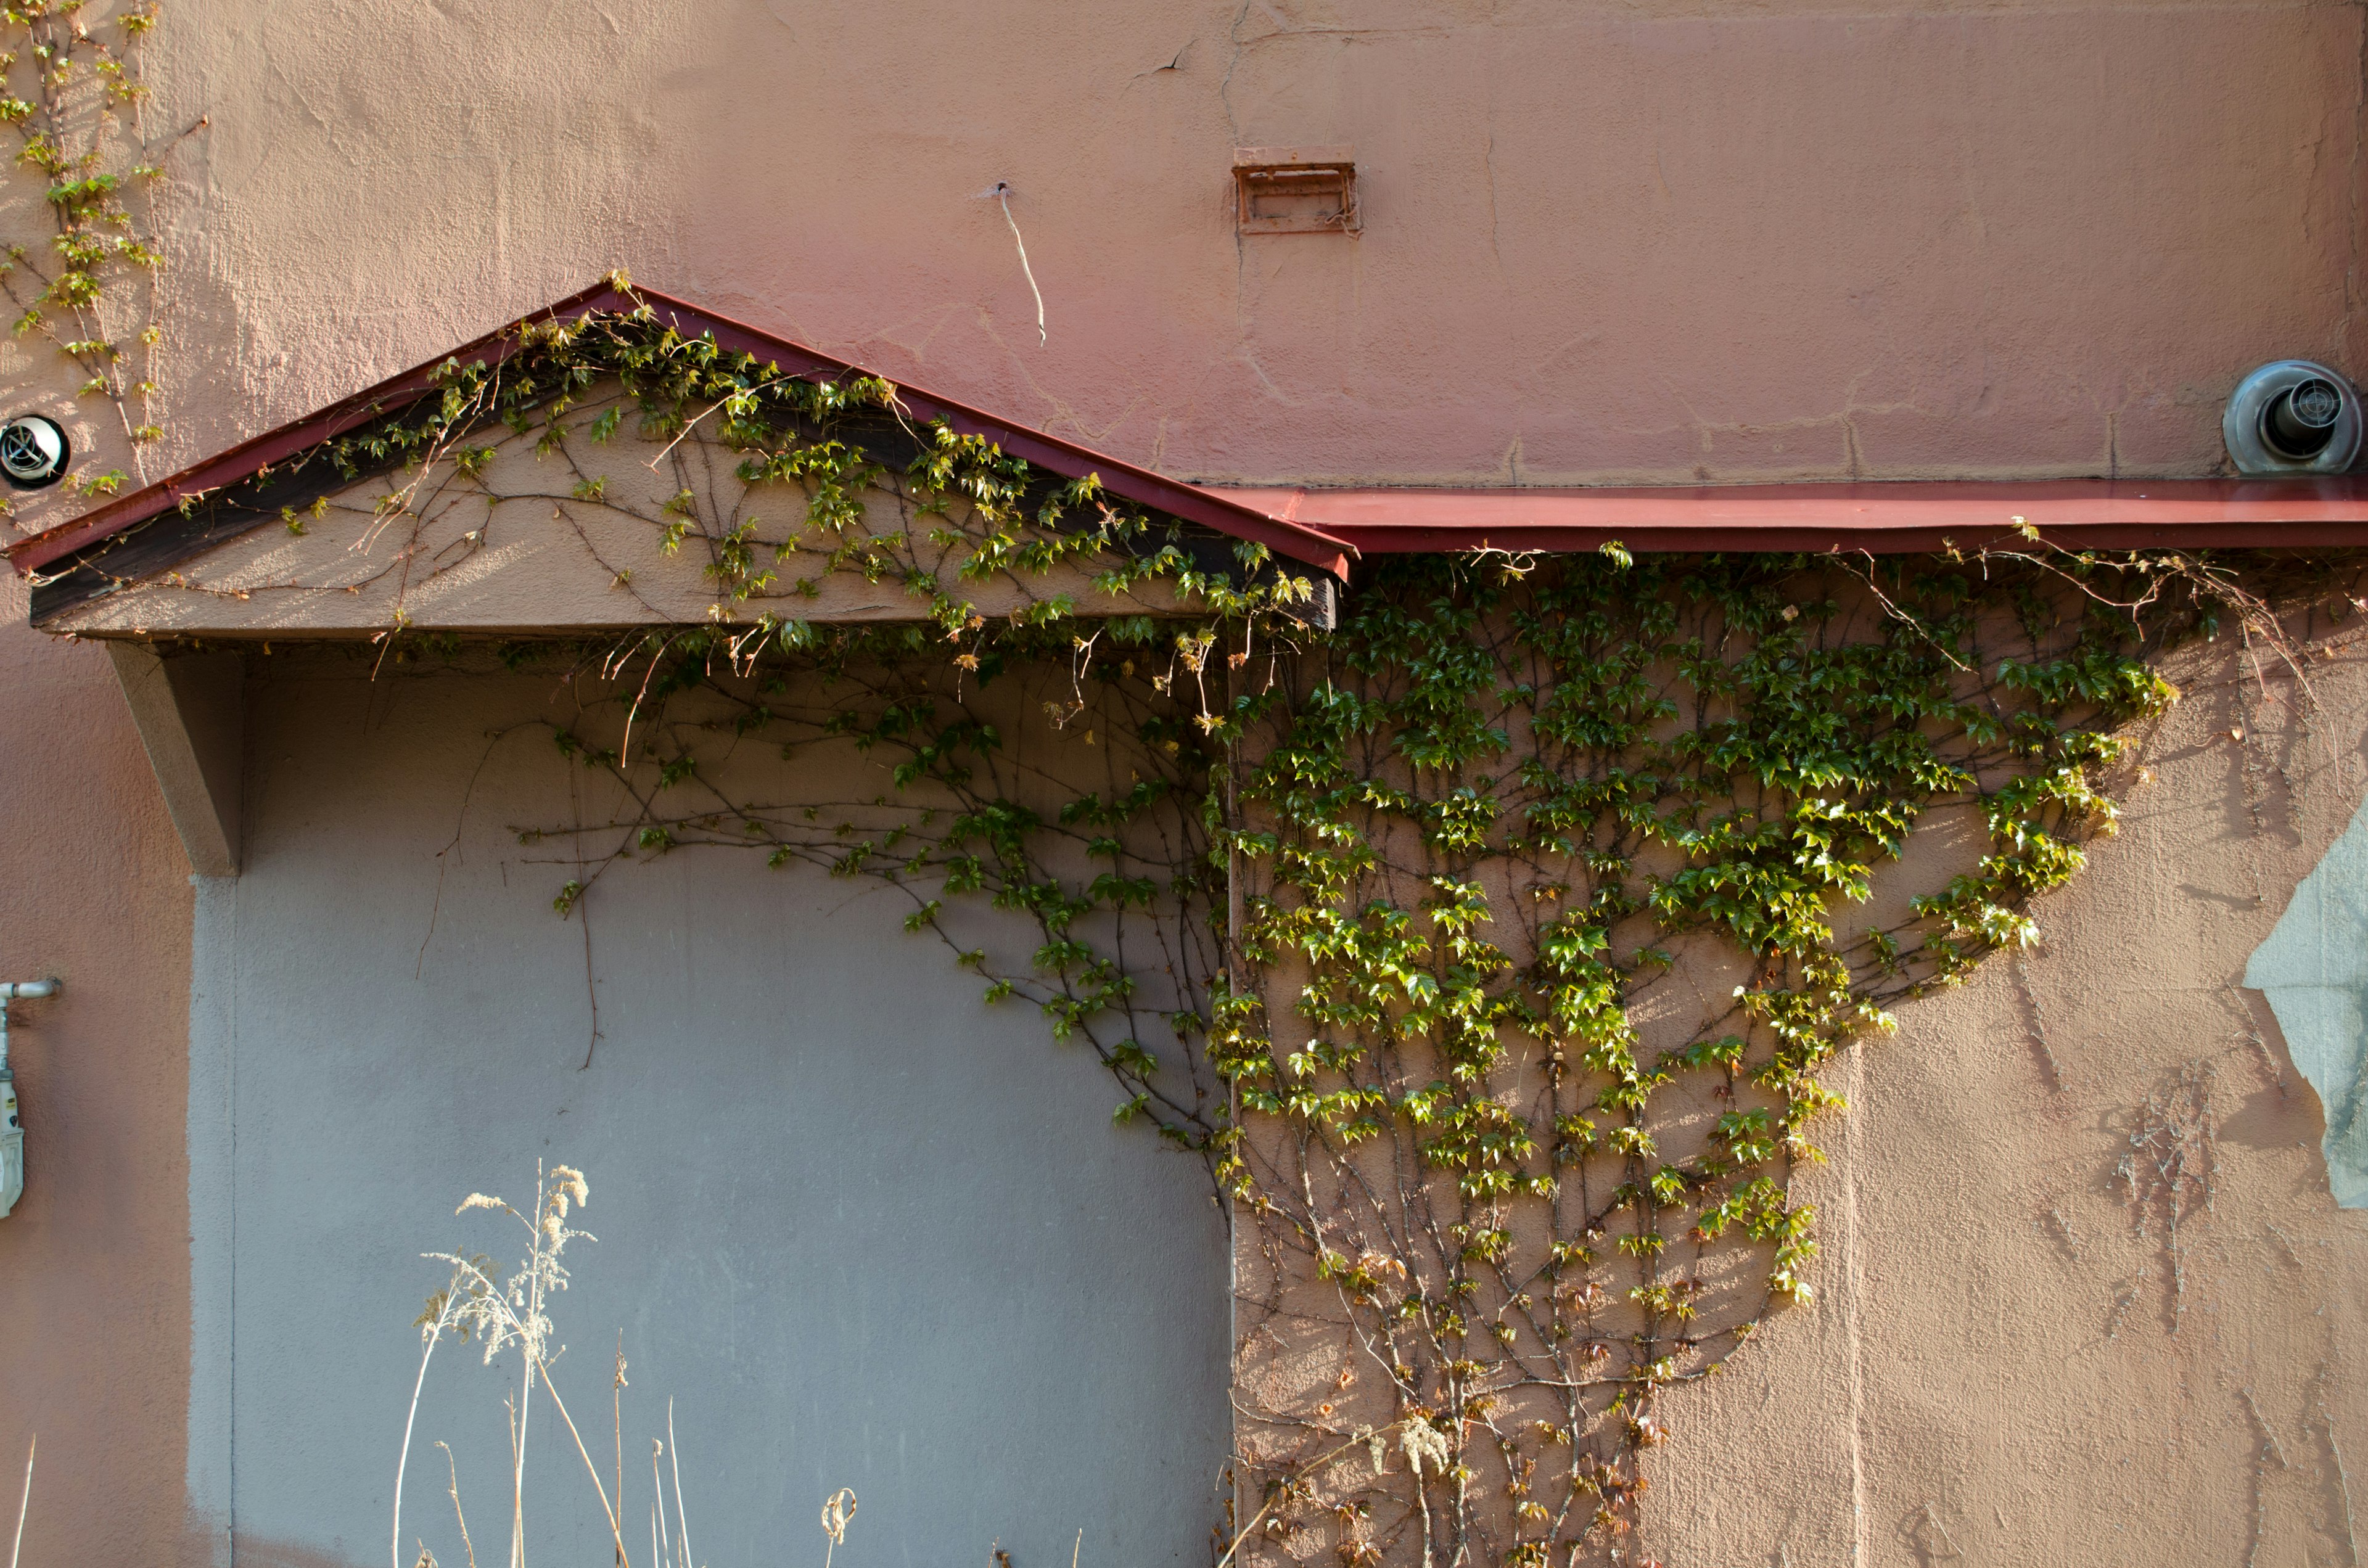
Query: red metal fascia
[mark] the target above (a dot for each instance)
(1325, 528)
(1190, 502)
(1895, 516)
(243, 461)
(257, 453)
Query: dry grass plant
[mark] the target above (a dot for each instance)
(514, 1311)
(24, 1503)
(503, 1312)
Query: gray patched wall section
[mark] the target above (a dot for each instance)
(2314, 970)
(864, 1230)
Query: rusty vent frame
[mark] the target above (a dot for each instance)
(1320, 172)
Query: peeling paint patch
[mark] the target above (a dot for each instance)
(2314, 969)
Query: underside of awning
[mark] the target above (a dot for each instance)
(193, 567)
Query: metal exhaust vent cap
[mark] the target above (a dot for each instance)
(2293, 416)
(33, 451)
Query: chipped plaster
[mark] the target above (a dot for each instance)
(2314, 969)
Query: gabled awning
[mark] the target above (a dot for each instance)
(48, 551)
(1318, 527)
(121, 572)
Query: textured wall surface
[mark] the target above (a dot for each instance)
(863, 1229)
(94, 1260)
(1637, 240)
(1653, 240)
(2086, 1295)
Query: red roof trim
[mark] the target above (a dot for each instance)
(1892, 517)
(243, 461)
(1324, 527)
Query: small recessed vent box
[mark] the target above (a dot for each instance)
(1295, 190)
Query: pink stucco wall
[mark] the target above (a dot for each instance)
(1641, 242)
(94, 1260)
(1628, 241)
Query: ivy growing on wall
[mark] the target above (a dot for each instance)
(82, 280)
(1491, 947)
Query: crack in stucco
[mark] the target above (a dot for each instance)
(2268, 1453)
(1853, 1289)
(2359, 146)
(1928, 1538)
(2035, 1030)
(2342, 1477)
(2298, 1491)
(1488, 162)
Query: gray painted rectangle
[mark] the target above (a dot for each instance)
(864, 1230)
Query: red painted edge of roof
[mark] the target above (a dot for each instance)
(1297, 542)
(1885, 516)
(1324, 527)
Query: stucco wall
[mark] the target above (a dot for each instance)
(864, 1231)
(858, 1225)
(2011, 1356)
(1649, 240)
(2014, 1357)
(94, 1259)
(2085, 1294)
(1653, 240)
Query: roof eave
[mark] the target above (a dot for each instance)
(1193, 503)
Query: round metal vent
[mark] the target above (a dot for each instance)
(33, 451)
(2293, 417)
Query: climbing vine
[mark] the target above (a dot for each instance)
(1490, 944)
(83, 281)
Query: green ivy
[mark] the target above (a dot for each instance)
(75, 94)
(1488, 946)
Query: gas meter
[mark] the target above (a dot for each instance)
(12, 1126)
